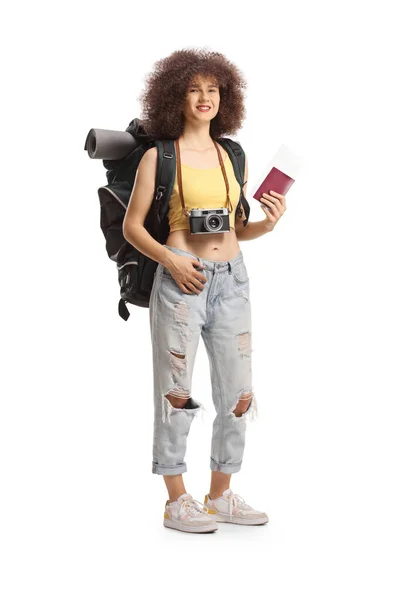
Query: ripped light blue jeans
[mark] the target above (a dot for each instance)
(221, 314)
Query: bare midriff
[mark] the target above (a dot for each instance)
(211, 246)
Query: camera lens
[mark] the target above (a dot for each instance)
(213, 222)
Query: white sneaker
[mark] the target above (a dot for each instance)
(188, 514)
(231, 508)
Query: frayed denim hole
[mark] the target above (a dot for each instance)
(191, 407)
(244, 343)
(245, 397)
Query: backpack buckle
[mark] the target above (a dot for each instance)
(160, 190)
(168, 155)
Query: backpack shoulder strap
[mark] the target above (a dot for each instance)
(165, 176)
(237, 156)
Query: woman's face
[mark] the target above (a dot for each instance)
(202, 91)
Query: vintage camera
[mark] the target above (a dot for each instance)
(209, 220)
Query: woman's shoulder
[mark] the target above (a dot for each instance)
(150, 154)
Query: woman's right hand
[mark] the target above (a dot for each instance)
(187, 278)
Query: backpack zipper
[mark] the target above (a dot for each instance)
(129, 262)
(113, 194)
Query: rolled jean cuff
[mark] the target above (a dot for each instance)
(225, 468)
(164, 470)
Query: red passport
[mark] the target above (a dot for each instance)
(276, 181)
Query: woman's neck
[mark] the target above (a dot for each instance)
(197, 141)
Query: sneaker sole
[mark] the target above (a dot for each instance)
(239, 521)
(190, 529)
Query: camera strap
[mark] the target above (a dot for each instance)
(179, 169)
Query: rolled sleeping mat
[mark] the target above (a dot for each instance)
(108, 144)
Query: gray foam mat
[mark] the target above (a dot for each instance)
(109, 144)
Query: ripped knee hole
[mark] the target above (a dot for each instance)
(177, 401)
(185, 402)
(243, 404)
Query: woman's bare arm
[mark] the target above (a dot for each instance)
(253, 229)
(139, 205)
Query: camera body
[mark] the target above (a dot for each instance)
(209, 220)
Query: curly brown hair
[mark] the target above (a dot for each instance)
(163, 98)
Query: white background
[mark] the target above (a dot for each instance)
(81, 512)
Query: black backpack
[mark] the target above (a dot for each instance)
(136, 270)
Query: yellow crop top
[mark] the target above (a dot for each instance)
(203, 188)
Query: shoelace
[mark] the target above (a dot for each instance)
(190, 504)
(236, 500)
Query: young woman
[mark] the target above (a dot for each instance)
(201, 286)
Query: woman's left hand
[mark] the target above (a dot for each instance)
(276, 208)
